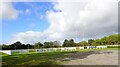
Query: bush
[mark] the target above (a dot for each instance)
(32, 50)
(58, 50)
(113, 46)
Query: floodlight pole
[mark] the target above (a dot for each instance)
(76, 36)
(28, 47)
(83, 38)
(15, 47)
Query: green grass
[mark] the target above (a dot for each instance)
(47, 58)
(32, 50)
(3, 54)
(113, 46)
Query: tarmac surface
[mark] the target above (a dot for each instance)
(103, 57)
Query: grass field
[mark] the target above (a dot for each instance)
(38, 59)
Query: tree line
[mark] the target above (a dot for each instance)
(106, 40)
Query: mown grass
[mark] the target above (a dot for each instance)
(30, 59)
(38, 59)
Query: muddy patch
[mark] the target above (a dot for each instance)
(92, 58)
(82, 55)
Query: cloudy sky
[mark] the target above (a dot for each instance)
(31, 22)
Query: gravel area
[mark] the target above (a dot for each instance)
(107, 57)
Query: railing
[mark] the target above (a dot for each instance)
(9, 52)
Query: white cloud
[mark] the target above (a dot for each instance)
(29, 37)
(27, 11)
(93, 17)
(7, 11)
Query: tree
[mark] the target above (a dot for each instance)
(97, 42)
(104, 40)
(5, 47)
(17, 45)
(90, 41)
(0, 47)
(72, 43)
(69, 43)
(65, 43)
(38, 45)
(56, 44)
(46, 45)
(84, 43)
(113, 39)
(28, 46)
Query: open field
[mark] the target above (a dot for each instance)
(82, 57)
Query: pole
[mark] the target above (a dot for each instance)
(28, 47)
(83, 38)
(15, 47)
(76, 36)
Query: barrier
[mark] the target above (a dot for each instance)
(101, 46)
(9, 52)
(6, 51)
(19, 51)
(40, 50)
(81, 48)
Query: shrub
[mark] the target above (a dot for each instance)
(113, 46)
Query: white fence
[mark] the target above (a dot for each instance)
(19, 51)
(9, 52)
(101, 46)
(113, 45)
(6, 51)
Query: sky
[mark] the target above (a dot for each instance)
(30, 22)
